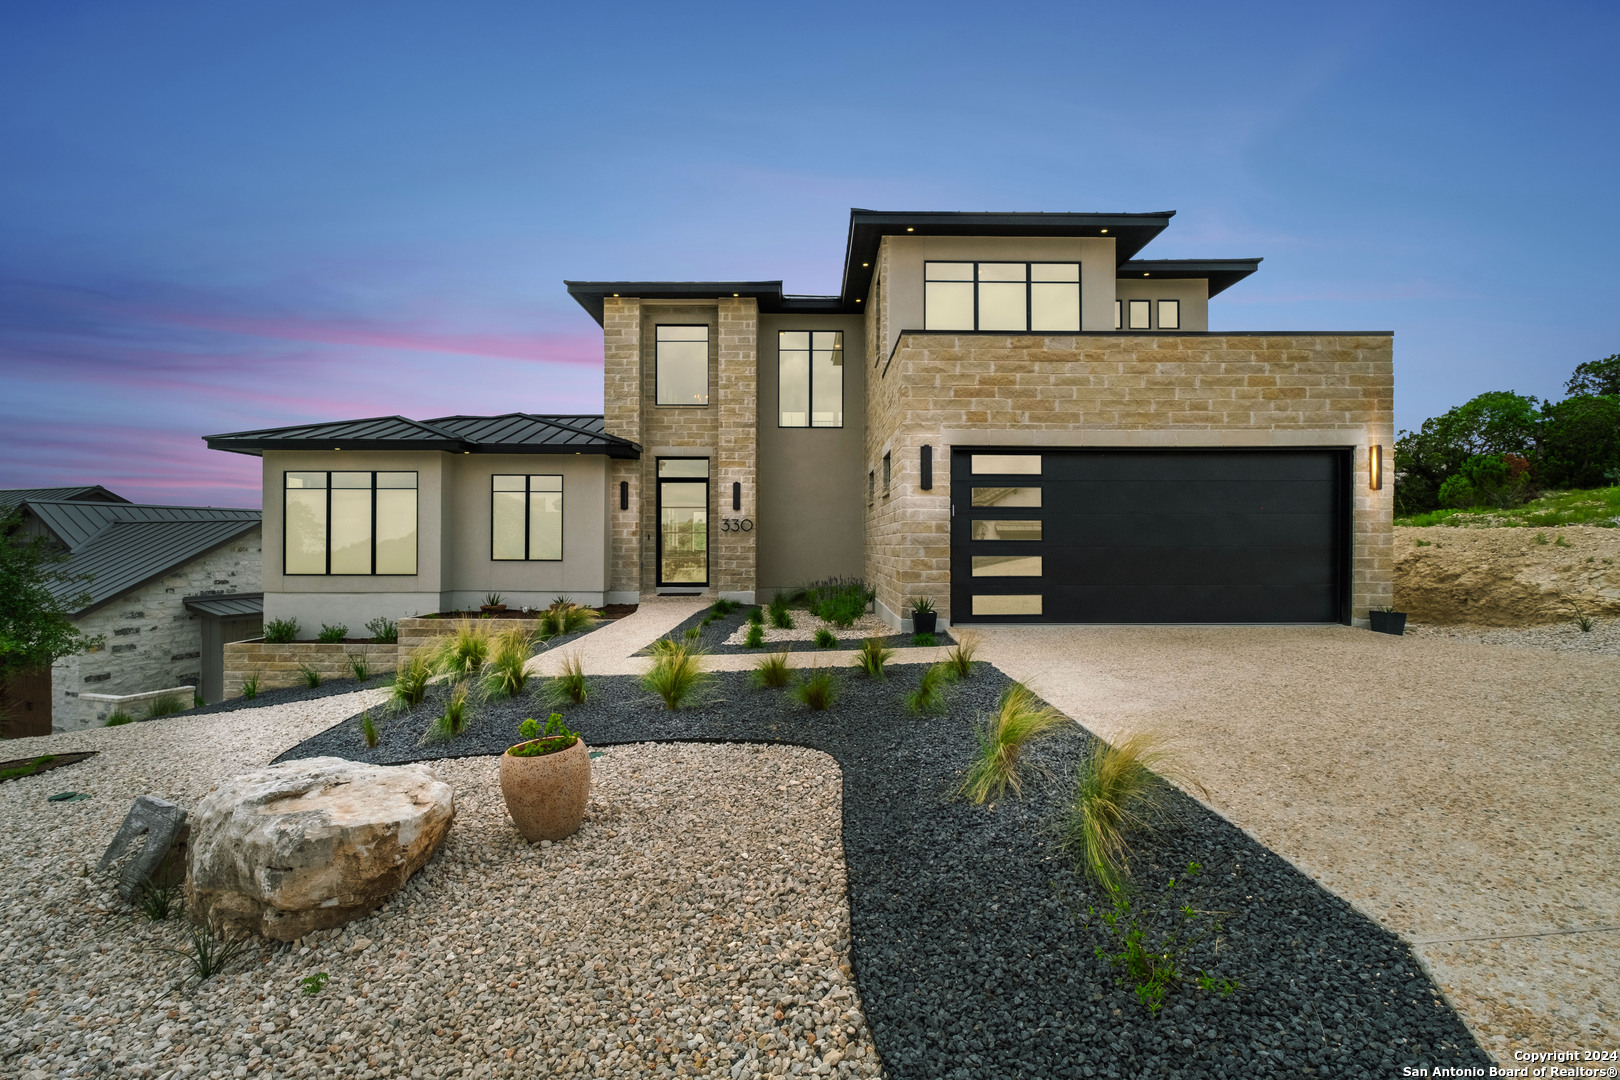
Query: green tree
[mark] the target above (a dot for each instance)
(1494, 423)
(34, 592)
(1580, 442)
(1596, 378)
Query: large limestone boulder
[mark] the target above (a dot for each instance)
(311, 844)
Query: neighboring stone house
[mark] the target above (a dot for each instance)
(150, 568)
(1008, 414)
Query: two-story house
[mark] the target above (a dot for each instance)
(1010, 414)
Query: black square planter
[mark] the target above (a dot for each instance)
(923, 622)
(1388, 622)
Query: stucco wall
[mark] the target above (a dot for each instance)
(153, 642)
(1195, 390)
(811, 480)
(1192, 292)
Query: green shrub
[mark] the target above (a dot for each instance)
(874, 653)
(960, 658)
(384, 631)
(781, 618)
(411, 681)
(359, 666)
(722, 608)
(677, 676)
(929, 697)
(506, 674)
(1019, 719)
(311, 677)
(1120, 789)
(452, 721)
(564, 617)
(569, 685)
(250, 686)
(817, 691)
(331, 635)
(280, 631)
(494, 599)
(772, 670)
(826, 639)
(119, 719)
(756, 636)
(1152, 942)
(538, 742)
(167, 705)
(924, 641)
(462, 653)
(756, 616)
(839, 601)
(691, 633)
(368, 729)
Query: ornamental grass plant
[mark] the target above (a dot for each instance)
(505, 673)
(816, 691)
(1018, 720)
(874, 653)
(411, 681)
(462, 653)
(960, 658)
(1121, 789)
(929, 697)
(772, 671)
(452, 721)
(677, 676)
(569, 687)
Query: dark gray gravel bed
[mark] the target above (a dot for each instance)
(970, 943)
(712, 638)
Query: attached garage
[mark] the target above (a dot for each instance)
(1150, 536)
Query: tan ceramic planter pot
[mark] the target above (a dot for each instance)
(546, 795)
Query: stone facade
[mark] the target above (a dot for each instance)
(733, 559)
(152, 641)
(1142, 390)
(622, 405)
(280, 666)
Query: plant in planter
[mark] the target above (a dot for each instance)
(493, 603)
(546, 780)
(924, 619)
(331, 635)
(280, 631)
(1387, 620)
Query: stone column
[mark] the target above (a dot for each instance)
(737, 394)
(621, 407)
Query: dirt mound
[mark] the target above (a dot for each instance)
(1502, 577)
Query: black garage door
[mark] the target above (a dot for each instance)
(1149, 536)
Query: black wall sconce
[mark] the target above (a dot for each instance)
(927, 468)
(1375, 467)
(736, 495)
(624, 494)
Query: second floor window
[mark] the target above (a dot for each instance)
(526, 518)
(682, 360)
(1039, 297)
(810, 364)
(349, 523)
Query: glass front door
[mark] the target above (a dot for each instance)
(683, 521)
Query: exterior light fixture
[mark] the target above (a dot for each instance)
(1146, 275)
(615, 294)
(1375, 467)
(910, 229)
(866, 264)
(736, 294)
(1105, 230)
(857, 299)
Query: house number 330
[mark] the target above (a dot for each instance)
(736, 524)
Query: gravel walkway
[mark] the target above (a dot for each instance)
(1466, 796)
(696, 925)
(973, 951)
(1603, 638)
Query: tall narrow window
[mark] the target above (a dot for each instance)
(349, 522)
(526, 518)
(1138, 312)
(810, 366)
(1010, 296)
(1119, 321)
(886, 474)
(1169, 314)
(683, 365)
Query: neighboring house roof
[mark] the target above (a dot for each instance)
(867, 228)
(1221, 274)
(124, 545)
(227, 606)
(10, 497)
(510, 433)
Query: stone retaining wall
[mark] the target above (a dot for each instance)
(278, 666)
(414, 633)
(96, 708)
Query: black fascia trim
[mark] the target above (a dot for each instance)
(256, 447)
(592, 295)
(1222, 274)
(867, 228)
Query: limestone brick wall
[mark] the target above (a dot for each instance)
(153, 642)
(622, 408)
(675, 429)
(733, 562)
(1192, 390)
(280, 666)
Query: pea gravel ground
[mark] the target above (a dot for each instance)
(974, 950)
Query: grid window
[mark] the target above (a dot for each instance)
(1008, 296)
(1169, 314)
(344, 522)
(683, 365)
(1139, 312)
(526, 518)
(810, 366)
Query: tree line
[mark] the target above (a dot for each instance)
(1500, 448)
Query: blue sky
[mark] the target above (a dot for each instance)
(225, 216)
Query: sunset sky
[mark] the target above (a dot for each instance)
(225, 216)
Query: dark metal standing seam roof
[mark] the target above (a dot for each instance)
(511, 433)
(90, 492)
(128, 554)
(227, 605)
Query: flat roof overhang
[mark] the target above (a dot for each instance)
(1221, 274)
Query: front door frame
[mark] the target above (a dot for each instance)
(658, 522)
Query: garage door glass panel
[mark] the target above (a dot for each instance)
(1013, 464)
(1006, 566)
(1008, 496)
(986, 529)
(1009, 604)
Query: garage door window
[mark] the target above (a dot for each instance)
(1007, 604)
(1007, 496)
(1013, 464)
(984, 529)
(1006, 566)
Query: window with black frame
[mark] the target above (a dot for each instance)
(810, 369)
(349, 522)
(1017, 297)
(526, 518)
(682, 361)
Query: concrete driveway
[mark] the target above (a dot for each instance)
(1465, 796)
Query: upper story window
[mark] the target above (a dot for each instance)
(349, 523)
(1011, 296)
(1137, 314)
(810, 366)
(682, 359)
(526, 518)
(1169, 314)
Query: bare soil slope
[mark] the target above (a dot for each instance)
(1502, 577)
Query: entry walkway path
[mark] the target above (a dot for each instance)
(1466, 796)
